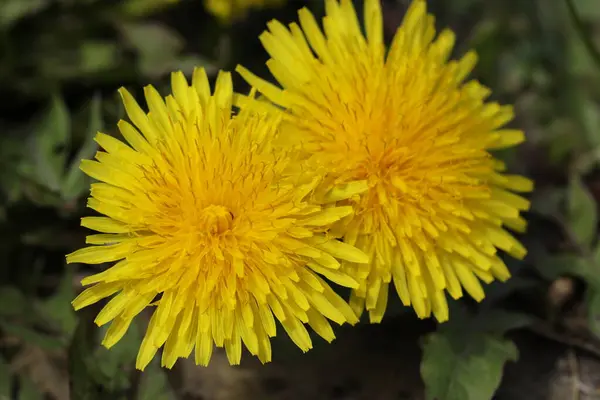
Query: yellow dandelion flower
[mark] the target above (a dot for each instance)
(200, 210)
(408, 123)
(230, 10)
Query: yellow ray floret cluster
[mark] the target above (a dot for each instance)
(408, 123)
(205, 223)
(230, 10)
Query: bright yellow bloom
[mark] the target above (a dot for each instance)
(204, 221)
(230, 10)
(407, 123)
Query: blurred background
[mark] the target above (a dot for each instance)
(535, 337)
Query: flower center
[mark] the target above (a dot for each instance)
(216, 219)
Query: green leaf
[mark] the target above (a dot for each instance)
(560, 140)
(464, 359)
(97, 56)
(31, 336)
(582, 217)
(588, 9)
(592, 302)
(50, 145)
(12, 159)
(110, 363)
(12, 11)
(58, 308)
(581, 30)
(460, 368)
(591, 117)
(596, 256)
(156, 45)
(76, 182)
(28, 391)
(592, 294)
(187, 63)
(497, 291)
(5, 379)
(12, 302)
(83, 384)
(547, 201)
(569, 264)
(154, 384)
(94, 368)
(555, 266)
(502, 321)
(140, 8)
(487, 320)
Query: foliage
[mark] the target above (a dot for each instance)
(463, 360)
(62, 62)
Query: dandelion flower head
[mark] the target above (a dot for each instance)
(204, 222)
(408, 122)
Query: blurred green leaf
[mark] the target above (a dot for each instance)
(93, 367)
(569, 264)
(97, 373)
(498, 291)
(582, 31)
(58, 308)
(139, 8)
(596, 256)
(464, 359)
(154, 384)
(457, 368)
(159, 48)
(76, 182)
(589, 114)
(581, 63)
(31, 336)
(10, 185)
(111, 362)
(582, 216)
(48, 237)
(581, 104)
(580, 50)
(13, 10)
(156, 45)
(50, 142)
(486, 320)
(502, 321)
(12, 301)
(97, 56)
(592, 293)
(5, 379)
(187, 63)
(561, 141)
(554, 266)
(592, 301)
(11, 163)
(547, 201)
(588, 9)
(28, 391)
(83, 384)
(40, 195)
